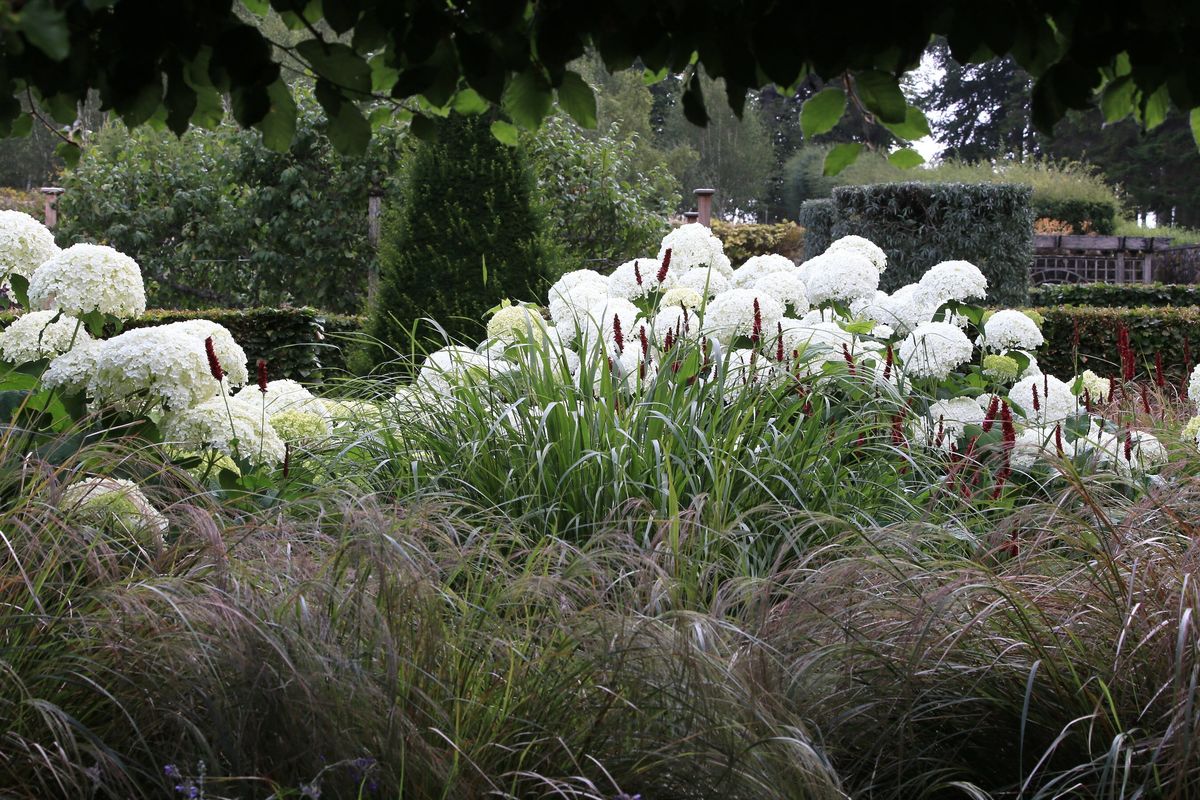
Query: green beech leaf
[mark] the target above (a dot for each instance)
(1195, 118)
(915, 126)
(69, 152)
(577, 98)
(527, 99)
(1155, 108)
(20, 289)
(841, 156)
(279, 125)
(1117, 99)
(337, 63)
(349, 131)
(906, 158)
(505, 132)
(881, 94)
(45, 27)
(821, 112)
(693, 102)
(468, 101)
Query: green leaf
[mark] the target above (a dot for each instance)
(279, 125)
(423, 128)
(527, 99)
(821, 112)
(20, 289)
(505, 132)
(841, 156)
(881, 94)
(383, 77)
(349, 132)
(22, 126)
(45, 27)
(257, 7)
(468, 101)
(1116, 102)
(651, 77)
(1195, 119)
(693, 102)
(577, 98)
(337, 63)
(915, 126)
(69, 152)
(1155, 108)
(906, 158)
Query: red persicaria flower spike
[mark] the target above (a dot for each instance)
(637, 273)
(756, 332)
(675, 367)
(941, 431)
(1058, 444)
(1037, 406)
(618, 336)
(1160, 380)
(887, 364)
(645, 342)
(848, 358)
(642, 370)
(262, 375)
(214, 364)
(1006, 427)
(287, 459)
(685, 319)
(666, 264)
(1145, 399)
(669, 341)
(1046, 385)
(1087, 400)
(993, 409)
(1128, 445)
(779, 342)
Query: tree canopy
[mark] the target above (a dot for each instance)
(172, 63)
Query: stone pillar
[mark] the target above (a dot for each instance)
(704, 205)
(50, 205)
(691, 216)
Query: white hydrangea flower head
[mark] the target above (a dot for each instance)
(704, 280)
(1191, 431)
(167, 363)
(453, 366)
(572, 295)
(815, 315)
(1097, 388)
(601, 327)
(1032, 445)
(72, 371)
(116, 502)
(89, 277)
(558, 351)
(638, 278)
(952, 416)
(842, 275)
(229, 352)
(633, 368)
(816, 341)
(1033, 368)
(694, 245)
(301, 427)
(746, 367)
(1055, 402)
(684, 296)
(1010, 330)
(860, 307)
(282, 395)
(515, 323)
(934, 350)
(215, 423)
(731, 314)
(786, 287)
(1132, 452)
(37, 334)
(863, 247)
(955, 280)
(1193, 391)
(756, 267)
(905, 309)
(25, 244)
(683, 324)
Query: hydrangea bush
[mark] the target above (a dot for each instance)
(965, 381)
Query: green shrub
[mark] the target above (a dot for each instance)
(921, 224)
(1112, 295)
(466, 238)
(597, 209)
(1084, 216)
(1081, 337)
(746, 241)
(215, 218)
(816, 217)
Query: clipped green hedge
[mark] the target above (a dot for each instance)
(743, 241)
(816, 217)
(1081, 337)
(1112, 295)
(1084, 216)
(921, 224)
(298, 343)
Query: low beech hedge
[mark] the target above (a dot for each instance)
(1081, 337)
(1111, 295)
(743, 241)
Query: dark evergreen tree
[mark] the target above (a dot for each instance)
(464, 238)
